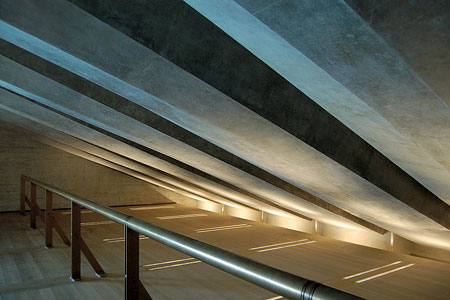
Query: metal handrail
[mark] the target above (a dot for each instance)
(280, 282)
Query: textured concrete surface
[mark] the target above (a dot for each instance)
(419, 31)
(29, 111)
(354, 55)
(244, 105)
(23, 155)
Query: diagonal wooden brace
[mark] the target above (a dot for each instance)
(56, 226)
(92, 260)
(143, 294)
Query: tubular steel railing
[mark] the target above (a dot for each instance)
(280, 282)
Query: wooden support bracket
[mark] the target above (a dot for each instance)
(56, 226)
(33, 205)
(48, 219)
(134, 289)
(76, 241)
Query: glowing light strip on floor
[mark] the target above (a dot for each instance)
(220, 227)
(384, 273)
(167, 262)
(275, 298)
(223, 228)
(371, 270)
(279, 244)
(182, 216)
(121, 240)
(176, 265)
(83, 212)
(286, 246)
(152, 207)
(97, 223)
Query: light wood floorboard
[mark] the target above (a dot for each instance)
(29, 271)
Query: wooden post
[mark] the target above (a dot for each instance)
(131, 264)
(76, 241)
(33, 209)
(22, 196)
(48, 219)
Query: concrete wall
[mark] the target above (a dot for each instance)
(22, 155)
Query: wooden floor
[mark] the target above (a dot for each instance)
(29, 271)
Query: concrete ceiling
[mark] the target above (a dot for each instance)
(336, 111)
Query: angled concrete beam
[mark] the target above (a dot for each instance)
(229, 67)
(12, 105)
(341, 186)
(51, 119)
(147, 117)
(136, 112)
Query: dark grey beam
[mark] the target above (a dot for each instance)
(199, 47)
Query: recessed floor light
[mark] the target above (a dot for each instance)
(275, 298)
(220, 228)
(121, 239)
(279, 244)
(97, 223)
(152, 207)
(384, 273)
(286, 246)
(168, 262)
(83, 212)
(371, 270)
(181, 216)
(174, 265)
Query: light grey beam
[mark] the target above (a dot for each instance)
(368, 86)
(416, 228)
(144, 175)
(238, 73)
(38, 114)
(321, 174)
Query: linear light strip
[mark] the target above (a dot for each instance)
(168, 262)
(123, 240)
(176, 265)
(286, 246)
(181, 216)
(151, 207)
(97, 223)
(384, 273)
(220, 229)
(371, 270)
(275, 298)
(279, 244)
(83, 212)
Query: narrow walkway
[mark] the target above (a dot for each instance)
(29, 271)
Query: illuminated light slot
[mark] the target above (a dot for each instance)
(182, 216)
(169, 264)
(83, 212)
(152, 207)
(121, 239)
(275, 298)
(279, 244)
(220, 227)
(384, 273)
(97, 223)
(287, 246)
(371, 270)
(202, 230)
